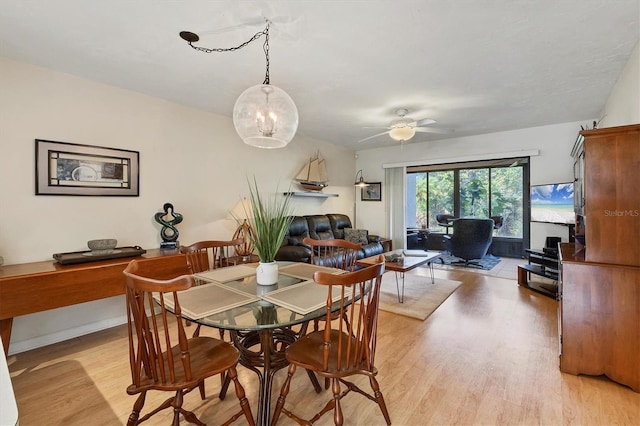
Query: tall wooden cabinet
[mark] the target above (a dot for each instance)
(607, 193)
(599, 284)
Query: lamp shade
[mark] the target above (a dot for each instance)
(360, 182)
(242, 210)
(402, 133)
(265, 116)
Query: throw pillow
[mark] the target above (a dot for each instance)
(358, 236)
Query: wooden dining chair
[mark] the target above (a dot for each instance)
(334, 253)
(340, 351)
(207, 255)
(163, 358)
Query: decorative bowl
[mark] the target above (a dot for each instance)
(102, 246)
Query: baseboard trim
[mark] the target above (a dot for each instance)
(61, 336)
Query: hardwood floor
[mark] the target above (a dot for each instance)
(488, 355)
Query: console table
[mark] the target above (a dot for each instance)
(39, 286)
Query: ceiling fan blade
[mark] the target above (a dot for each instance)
(424, 122)
(432, 130)
(374, 136)
(377, 127)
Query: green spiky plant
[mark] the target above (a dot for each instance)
(269, 218)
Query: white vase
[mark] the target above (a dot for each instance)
(267, 273)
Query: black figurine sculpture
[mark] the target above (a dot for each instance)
(169, 233)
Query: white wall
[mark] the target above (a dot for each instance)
(553, 164)
(188, 157)
(623, 104)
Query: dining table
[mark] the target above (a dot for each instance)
(262, 320)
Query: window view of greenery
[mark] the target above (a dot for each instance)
(483, 192)
(507, 200)
(474, 193)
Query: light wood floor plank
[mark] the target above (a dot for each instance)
(488, 355)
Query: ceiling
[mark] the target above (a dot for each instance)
(475, 67)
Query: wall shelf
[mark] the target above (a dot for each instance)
(310, 194)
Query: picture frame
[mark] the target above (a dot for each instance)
(372, 192)
(64, 168)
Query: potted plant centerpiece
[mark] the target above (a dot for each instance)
(269, 218)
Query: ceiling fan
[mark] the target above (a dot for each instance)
(404, 128)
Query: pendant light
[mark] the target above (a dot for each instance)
(264, 115)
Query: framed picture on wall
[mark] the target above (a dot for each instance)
(373, 192)
(69, 169)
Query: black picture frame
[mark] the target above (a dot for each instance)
(64, 168)
(372, 192)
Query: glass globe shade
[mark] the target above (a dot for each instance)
(265, 116)
(402, 133)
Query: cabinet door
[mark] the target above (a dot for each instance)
(612, 198)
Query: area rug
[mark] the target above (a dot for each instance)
(486, 263)
(421, 297)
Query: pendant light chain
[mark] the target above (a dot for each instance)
(265, 47)
(264, 116)
(256, 36)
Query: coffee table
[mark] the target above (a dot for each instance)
(410, 259)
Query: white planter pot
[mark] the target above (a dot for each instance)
(267, 273)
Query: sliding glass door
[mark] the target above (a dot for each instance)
(481, 189)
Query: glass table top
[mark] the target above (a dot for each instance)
(261, 314)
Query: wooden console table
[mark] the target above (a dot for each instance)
(39, 286)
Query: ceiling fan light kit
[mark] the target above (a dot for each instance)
(402, 134)
(264, 115)
(404, 128)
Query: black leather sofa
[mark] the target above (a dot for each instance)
(320, 227)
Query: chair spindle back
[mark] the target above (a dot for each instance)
(335, 253)
(356, 338)
(152, 336)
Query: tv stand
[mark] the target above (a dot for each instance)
(543, 263)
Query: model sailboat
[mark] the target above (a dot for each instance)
(313, 176)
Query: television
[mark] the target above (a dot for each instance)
(553, 203)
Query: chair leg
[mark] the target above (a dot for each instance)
(338, 418)
(283, 394)
(196, 332)
(203, 394)
(314, 381)
(379, 399)
(244, 403)
(137, 407)
(177, 404)
(225, 385)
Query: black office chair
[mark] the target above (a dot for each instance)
(470, 240)
(445, 220)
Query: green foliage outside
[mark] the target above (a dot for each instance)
(501, 185)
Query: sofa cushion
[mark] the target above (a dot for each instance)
(298, 231)
(319, 227)
(339, 222)
(357, 236)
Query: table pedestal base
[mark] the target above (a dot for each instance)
(263, 352)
